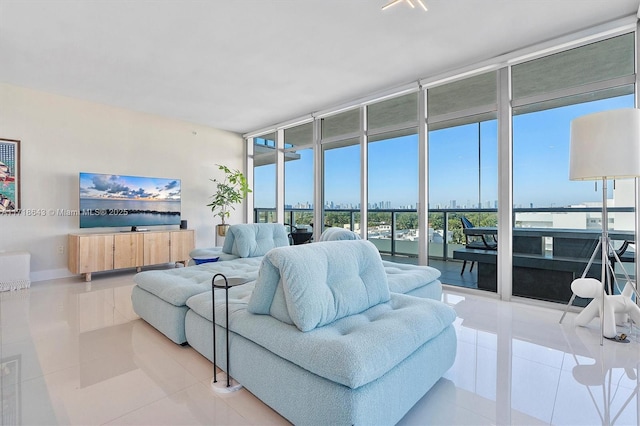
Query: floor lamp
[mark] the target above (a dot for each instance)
(605, 145)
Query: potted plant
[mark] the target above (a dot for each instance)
(229, 191)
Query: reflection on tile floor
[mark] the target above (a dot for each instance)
(75, 353)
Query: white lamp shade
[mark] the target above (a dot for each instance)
(605, 145)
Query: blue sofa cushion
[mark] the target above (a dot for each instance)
(316, 284)
(211, 252)
(254, 239)
(336, 234)
(175, 286)
(352, 351)
(403, 278)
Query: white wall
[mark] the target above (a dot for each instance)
(61, 137)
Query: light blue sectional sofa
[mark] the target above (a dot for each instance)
(321, 333)
(247, 240)
(160, 296)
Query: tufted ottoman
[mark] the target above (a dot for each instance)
(160, 297)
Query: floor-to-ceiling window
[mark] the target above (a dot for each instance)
(463, 180)
(548, 93)
(298, 176)
(370, 153)
(341, 169)
(392, 157)
(264, 178)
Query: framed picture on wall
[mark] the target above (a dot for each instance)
(9, 175)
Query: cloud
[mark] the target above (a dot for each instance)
(140, 193)
(109, 184)
(171, 185)
(114, 186)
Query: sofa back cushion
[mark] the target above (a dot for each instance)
(335, 234)
(254, 239)
(315, 284)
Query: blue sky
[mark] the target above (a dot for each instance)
(540, 162)
(541, 155)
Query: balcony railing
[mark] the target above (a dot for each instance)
(389, 232)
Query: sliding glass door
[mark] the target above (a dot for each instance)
(298, 177)
(463, 180)
(341, 169)
(557, 221)
(392, 177)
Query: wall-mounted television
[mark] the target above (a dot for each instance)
(116, 200)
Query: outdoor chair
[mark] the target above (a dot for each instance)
(479, 241)
(299, 235)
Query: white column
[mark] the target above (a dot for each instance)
(505, 185)
(248, 212)
(318, 177)
(280, 176)
(364, 173)
(423, 179)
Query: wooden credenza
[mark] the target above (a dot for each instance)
(90, 253)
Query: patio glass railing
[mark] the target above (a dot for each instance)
(396, 232)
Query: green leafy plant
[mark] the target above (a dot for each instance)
(229, 191)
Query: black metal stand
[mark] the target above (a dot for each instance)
(228, 283)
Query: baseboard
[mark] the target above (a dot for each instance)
(50, 274)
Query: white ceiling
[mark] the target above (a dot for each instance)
(241, 65)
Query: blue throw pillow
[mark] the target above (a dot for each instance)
(315, 284)
(335, 234)
(254, 239)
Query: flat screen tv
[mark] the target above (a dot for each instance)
(132, 201)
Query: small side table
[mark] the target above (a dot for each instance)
(224, 283)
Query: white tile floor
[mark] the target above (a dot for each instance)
(76, 354)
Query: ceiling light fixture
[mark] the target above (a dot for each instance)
(410, 2)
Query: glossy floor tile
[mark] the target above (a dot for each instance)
(75, 353)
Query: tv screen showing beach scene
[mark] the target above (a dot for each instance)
(116, 200)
